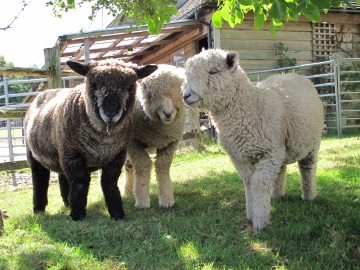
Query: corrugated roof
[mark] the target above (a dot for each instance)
(126, 43)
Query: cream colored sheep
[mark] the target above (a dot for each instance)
(75, 131)
(158, 125)
(263, 127)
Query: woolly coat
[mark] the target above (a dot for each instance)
(62, 123)
(158, 125)
(148, 128)
(76, 131)
(262, 127)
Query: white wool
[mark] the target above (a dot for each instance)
(263, 127)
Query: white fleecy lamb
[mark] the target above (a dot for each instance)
(158, 126)
(264, 127)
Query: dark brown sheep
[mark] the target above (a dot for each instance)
(74, 131)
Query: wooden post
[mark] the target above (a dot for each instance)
(52, 64)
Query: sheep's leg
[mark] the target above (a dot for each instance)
(128, 185)
(279, 186)
(142, 169)
(245, 172)
(262, 186)
(307, 168)
(109, 183)
(76, 172)
(40, 178)
(162, 167)
(64, 189)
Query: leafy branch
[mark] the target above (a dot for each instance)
(24, 5)
(278, 11)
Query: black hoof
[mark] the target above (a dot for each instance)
(118, 216)
(39, 210)
(78, 215)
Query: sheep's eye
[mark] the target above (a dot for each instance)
(213, 71)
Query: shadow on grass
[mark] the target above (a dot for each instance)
(208, 228)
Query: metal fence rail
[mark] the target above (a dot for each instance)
(12, 143)
(338, 85)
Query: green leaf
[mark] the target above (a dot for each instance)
(246, 2)
(336, 3)
(217, 19)
(259, 18)
(172, 10)
(154, 26)
(275, 24)
(225, 13)
(278, 9)
(292, 12)
(312, 13)
(239, 16)
(70, 2)
(321, 3)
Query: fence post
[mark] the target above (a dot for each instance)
(8, 127)
(337, 93)
(52, 64)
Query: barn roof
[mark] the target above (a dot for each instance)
(126, 43)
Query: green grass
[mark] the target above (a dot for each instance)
(207, 228)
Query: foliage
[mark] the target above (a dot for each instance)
(13, 88)
(207, 228)
(284, 60)
(278, 11)
(156, 12)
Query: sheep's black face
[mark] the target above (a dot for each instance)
(111, 101)
(110, 110)
(110, 87)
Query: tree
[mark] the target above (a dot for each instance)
(154, 13)
(278, 11)
(13, 88)
(157, 12)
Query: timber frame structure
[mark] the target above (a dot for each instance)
(127, 43)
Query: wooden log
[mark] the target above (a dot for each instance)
(18, 71)
(14, 165)
(52, 64)
(12, 112)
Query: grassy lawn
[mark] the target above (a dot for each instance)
(207, 228)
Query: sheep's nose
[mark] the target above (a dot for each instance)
(185, 96)
(168, 115)
(111, 105)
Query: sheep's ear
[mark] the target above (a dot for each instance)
(78, 67)
(145, 71)
(232, 59)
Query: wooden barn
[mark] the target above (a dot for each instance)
(191, 30)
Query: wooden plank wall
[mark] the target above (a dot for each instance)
(256, 47)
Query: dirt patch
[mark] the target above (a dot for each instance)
(13, 181)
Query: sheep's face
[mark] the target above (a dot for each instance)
(160, 96)
(110, 87)
(209, 80)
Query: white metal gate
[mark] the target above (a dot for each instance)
(339, 88)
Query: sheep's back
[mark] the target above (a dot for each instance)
(302, 115)
(40, 124)
(57, 121)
